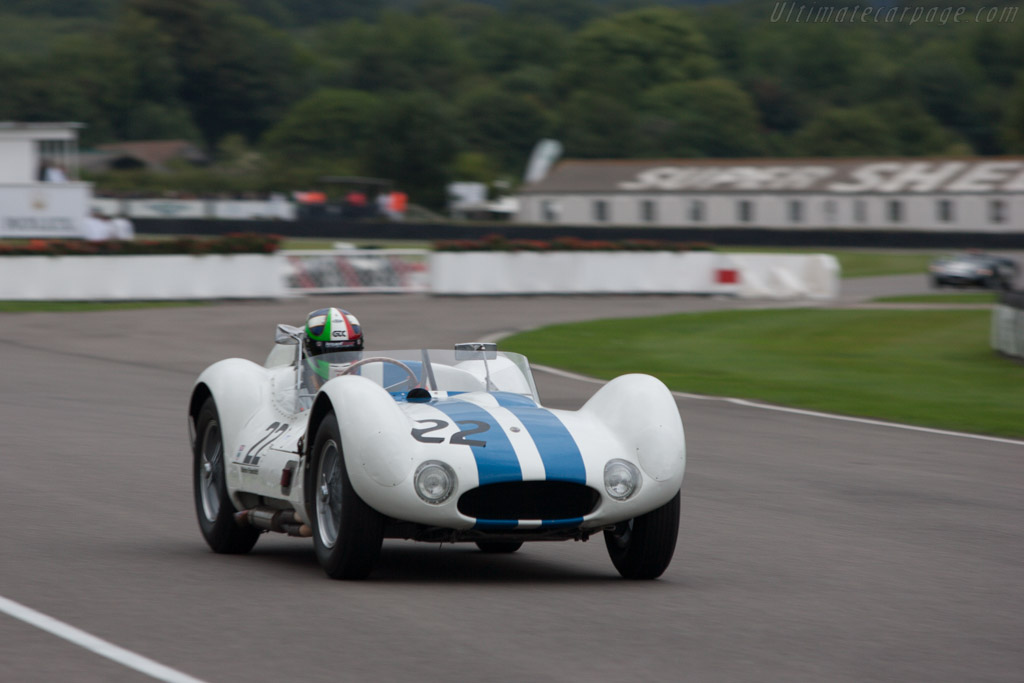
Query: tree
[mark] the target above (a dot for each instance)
(238, 75)
(502, 125)
(329, 124)
(709, 117)
(629, 53)
(594, 125)
(503, 44)
(406, 53)
(915, 132)
(1012, 129)
(846, 133)
(413, 144)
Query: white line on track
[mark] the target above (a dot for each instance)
(796, 411)
(90, 642)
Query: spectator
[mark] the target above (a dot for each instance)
(96, 227)
(51, 172)
(122, 228)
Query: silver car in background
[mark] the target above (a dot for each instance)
(974, 269)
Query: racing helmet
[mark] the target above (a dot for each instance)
(332, 329)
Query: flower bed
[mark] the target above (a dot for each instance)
(497, 242)
(233, 243)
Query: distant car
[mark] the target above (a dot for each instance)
(430, 445)
(974, 270)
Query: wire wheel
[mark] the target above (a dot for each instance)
(329, 493)
(211, 470)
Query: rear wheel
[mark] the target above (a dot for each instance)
(347, 533)
(213, 505)
(499, 546)
(642, 547)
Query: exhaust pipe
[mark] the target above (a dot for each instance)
(272, 519)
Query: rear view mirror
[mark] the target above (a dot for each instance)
(286, 334)
(476, 351)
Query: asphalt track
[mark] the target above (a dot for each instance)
(810, 549)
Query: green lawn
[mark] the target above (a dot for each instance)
(964, 298)
(931, 368)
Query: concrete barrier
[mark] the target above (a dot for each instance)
(106, 278)
(769, 276)
(1008, 325)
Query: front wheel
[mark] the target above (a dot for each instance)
(213, 505)
(347, 533)
(642, 547)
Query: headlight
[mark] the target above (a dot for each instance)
(435, 482)
(621, 479)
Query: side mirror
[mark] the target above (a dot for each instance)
(286, 334)
(476, 351)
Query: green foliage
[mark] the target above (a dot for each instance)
(413, 144)
(628, 53)
(309, 87)
(329, 124)
(847, 133)
(503, 125)
(708, 117)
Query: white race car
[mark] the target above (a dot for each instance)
(430, 445)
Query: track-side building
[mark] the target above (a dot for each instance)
(930, 194)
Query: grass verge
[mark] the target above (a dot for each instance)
(931, 368)
(966, 298)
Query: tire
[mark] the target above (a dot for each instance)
(642, 548)
(499, 546)
(347, 533)
(213, 505)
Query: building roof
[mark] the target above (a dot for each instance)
(155, 154)
(828, 176)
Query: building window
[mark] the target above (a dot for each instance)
(549, 211)
(860, 211)
(600, 210)
(697, 210)
(745, 211)
(648, 211)
(796, 211)
(944, 210)
(830, 210)
(997, 211)
(895, 211)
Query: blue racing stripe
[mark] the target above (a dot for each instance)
(562, 458)
(496, 460)
(507, 399)
(555, 523)
(496, 524)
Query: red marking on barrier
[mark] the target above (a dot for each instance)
(301, 273)
(727, 276)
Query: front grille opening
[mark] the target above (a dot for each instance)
(529, 500)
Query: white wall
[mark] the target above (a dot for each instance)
(763, 276)
(94, 278)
